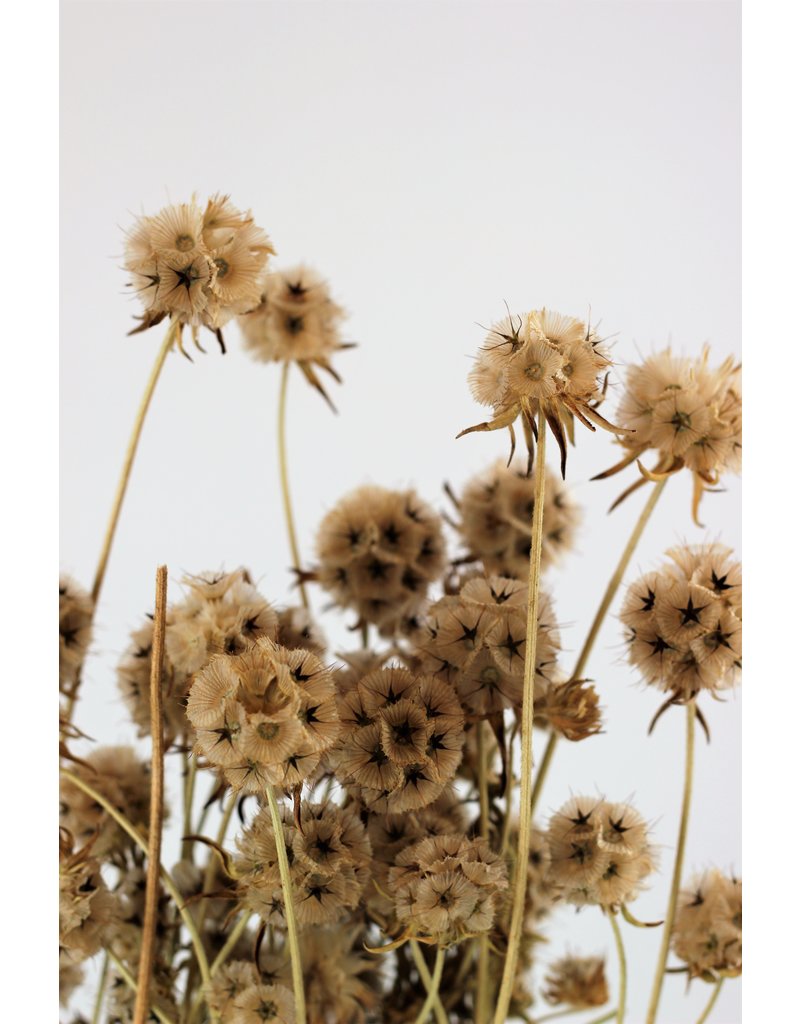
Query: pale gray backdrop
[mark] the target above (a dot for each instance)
(433, 160)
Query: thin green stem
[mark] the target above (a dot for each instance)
(427, 980)
(101, 990)
(433, 991)
(542, 772)
(220, 958)
(130, 981)
(520, 882)
(208, 878)
(711, 1002)
(166, 878)
(669, 918)
(508, 794)
(292, 937)
(482, 990)
(190, 769)
(623, 968)
(285, 494)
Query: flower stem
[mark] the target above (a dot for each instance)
(600, 615)
(520, 882)
(148, 945)
(101, 990)
(669, 918)
(190, 769)
(284, 471)
(543, 768)
(433, 991)
(482, 992)
(710, 1004)
(130, 981)
(288, 903)
(623, 969)
(427, 980)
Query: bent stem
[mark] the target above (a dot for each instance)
(288, 903)
(602, 611)
(148, 947)
(710, 1004)
(433, 991)
(669, 918)
(427, 980)
(622, 995)
(284, 471)
(520, 883)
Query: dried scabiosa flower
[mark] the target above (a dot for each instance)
(260, 1004)
(447, 888)
(707, 934)
(296, 321)
(688, 413)
(600, 853)
(572, 709)
(263, 716)
(330, 858)
(124, 780)
(476, 641)
(544, 361)
(75, 612)
(378, 552)
(222, 613)
(684, 622)
(199, 266)
(577, 981)
(87, 912)
(495, 511)
(402, 740)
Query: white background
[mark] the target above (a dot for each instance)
(433, 160)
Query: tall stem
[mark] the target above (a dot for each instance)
(520, 883)
(482, 992)
(190, 769)
(542, 772)
(622, 995)
(284, 470)
(433, 991)
(288, 904)
(148, 947)
(711, 1002)
(669, 918)
(602, 611)
(101, 990)
(427, 980)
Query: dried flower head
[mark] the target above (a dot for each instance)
(447, 887)
(577, 981)
(75, 612)
(330, 864)
(684, 622)
(402, 740)
(495, 511)
(260, 1004)
(88, 912)
(222, 613)
(198, 266)
(707, 934)
(296, 629)
(600, 853)
(297, 321)
(378, 552)
(688, 413)
(228, 982)
(541, 361)
(476, 642)
(572, 709)
(264, 715)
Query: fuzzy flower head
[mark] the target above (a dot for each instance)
(329, 856)
(572, 709)
(577, 981)
(476, 641)
(296, 320)
(707, 934)
(263, 716)
(688, 413)
(684, 622)
(75, 612)
(198, 265)
(495, 511)
(600, 852)
(378, 552)
(447, 888)
(541, 361)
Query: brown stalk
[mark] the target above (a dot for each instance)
(148, 949)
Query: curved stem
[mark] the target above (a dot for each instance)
(148, 944)
(602, 611)
(520, 882)
(433, 991)
(284, 471)
(482, 991)
(101, 990)
(623, 969)
(166, 878)
(288, 904)
(710, 1004)
(427, 980)
(669, 918)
